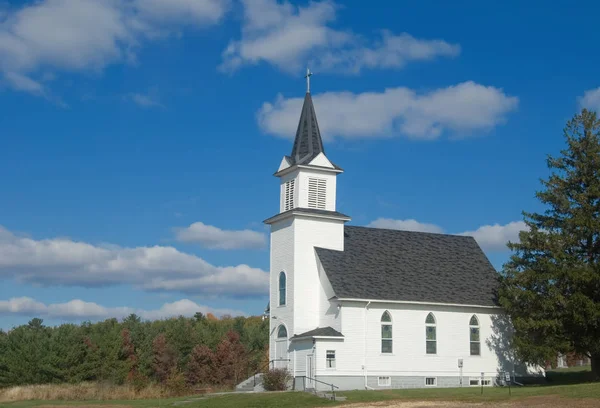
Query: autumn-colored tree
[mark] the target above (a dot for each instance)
(231, 359)
(201, 366)
(128, 353)
(164, 358)
(211, 317)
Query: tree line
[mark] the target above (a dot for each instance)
(179, 353)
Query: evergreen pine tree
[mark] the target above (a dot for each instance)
(551, 285)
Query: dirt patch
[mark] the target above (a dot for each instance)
(535, 402)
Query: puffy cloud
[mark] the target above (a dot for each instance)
(591, 100)
(464, 108)
(288, 36)
(145, 100)
(495, 237)
(80, 310)
(87, 35)
(491, 238)
(216, 238)
(60, 261)
(405, 225)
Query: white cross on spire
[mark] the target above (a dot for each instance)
(307, 76)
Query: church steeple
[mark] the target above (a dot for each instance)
(308, 143)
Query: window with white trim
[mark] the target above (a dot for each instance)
(386, 333)
(430, 381)
(474, 336)
(282, 288)
(330, 359)
(384, 381)
(317, 189)
(289, 194)
(430, 335)
(477, 381)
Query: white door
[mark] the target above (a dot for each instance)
(310, 369)
(281, 353)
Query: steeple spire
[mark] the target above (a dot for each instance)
(308, 143)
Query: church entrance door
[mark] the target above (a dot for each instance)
(281, 353)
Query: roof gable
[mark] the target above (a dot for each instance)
(380, 264)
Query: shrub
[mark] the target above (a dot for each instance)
(276, 379)
(175, 384)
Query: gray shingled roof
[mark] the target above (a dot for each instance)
(308, 143)
(321, 331)
(386, 264)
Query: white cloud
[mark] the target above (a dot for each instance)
(464, 108)
(190, 11)
(491, 238)
(495, 237)
(87, 35)
(289, 36)
(61, 261)
(145, 100)
(591, 100)
(216, 238)
(80, 310)
(405, 225)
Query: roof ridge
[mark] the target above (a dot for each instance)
(409, 231)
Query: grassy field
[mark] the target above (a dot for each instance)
(571, 395)
(300, 399)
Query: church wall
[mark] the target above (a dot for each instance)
(301, 349)
(409, 358)
(328, 310)
(311, 232)
(282, 259)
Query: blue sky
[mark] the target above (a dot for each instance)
(139, 138)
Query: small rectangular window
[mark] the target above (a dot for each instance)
(330, 357)
(474, 381)
(384, 381)
(487, 382)
(431, 381)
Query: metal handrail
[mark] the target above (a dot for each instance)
(322, 382)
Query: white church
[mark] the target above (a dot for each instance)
(367, 308)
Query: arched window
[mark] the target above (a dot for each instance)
(282, 332)
(282, 288)
(386, 333)
(430, 335)
(474, 336)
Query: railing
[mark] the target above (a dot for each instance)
(333, 387)
(267, 365)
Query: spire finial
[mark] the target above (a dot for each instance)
(307, 76)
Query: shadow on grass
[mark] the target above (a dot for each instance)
(575, 375)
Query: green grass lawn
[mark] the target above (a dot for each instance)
(301, 399)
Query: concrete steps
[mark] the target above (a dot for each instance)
(248, 384)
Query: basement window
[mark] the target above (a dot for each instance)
(384, 381)
(430, 381)
(316, 193)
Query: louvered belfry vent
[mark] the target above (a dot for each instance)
(317, 192)
(289, 194)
